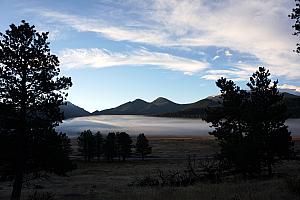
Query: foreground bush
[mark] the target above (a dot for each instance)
(293, 185)
(41, 196)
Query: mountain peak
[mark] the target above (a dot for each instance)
(161, 100)
(70, 110)
(139, 101)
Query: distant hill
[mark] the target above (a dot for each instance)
(197, 109)
(166, 108)
(70, 111)
(293, 105)
(140, 107)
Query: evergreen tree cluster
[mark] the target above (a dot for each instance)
(250, 124)
(114, 145)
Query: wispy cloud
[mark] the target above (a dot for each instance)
(289, 87)
(216, 57)
(228, 53)
(258, 28)
(105, 29)
(100, 58)
(238, 72)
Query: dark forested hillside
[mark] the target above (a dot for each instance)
(165, 108)
(140, 107)
(70, 111)
(293, 105)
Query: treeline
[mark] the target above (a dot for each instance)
(192, 113)
(115, 145)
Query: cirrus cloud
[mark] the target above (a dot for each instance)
(258, 28)
(100, 58)
(290, 88)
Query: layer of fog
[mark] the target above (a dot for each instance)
(151, 126)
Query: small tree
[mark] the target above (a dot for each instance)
(98, 145)
(86, 143)
(230, 126)
(250, 124)
(124, 144)
(110, 146)
(51, 146)
(31, 93)
(266, 119)
(142, 146)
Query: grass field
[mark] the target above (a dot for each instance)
(109, 181)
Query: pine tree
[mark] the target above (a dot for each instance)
(110, 146)
(249, 125)
(87, 145)
(124, 144)
(31, 92)
(142, 146)
(99, 150)
(266, 119)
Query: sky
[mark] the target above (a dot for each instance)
(120, 50)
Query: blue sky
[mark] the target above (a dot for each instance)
(117, 51)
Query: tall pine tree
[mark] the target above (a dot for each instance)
(249, 125)
(31, 93)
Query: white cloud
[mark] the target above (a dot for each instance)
(289, 87)
(55, 32)
(228, 53)
(104, 28)
(100, 58)
(239, 72)
(215, 58)
(259, 28)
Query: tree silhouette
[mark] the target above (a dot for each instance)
(31, 92)
(250, 124)
(124, 144)
(110, 146)
(98, 145)
(266, 117)
(296, 15)
(47, 147)
(142, 146)
(229, 123)
(87, 145)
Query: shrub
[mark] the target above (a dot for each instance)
(293, 185)
(41, 196)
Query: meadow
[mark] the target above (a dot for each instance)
(110, 181)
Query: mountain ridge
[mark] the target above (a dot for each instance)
(140, 107)
(70, 110)
(164, 107)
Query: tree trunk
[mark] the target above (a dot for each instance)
(20, 163)
(17, 187)
(270, 172)
(21, 142)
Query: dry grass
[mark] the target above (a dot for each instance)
(109, 181)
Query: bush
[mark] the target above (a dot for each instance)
(41, 196)
(173, 178)
(293, 185)
(145, 181)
